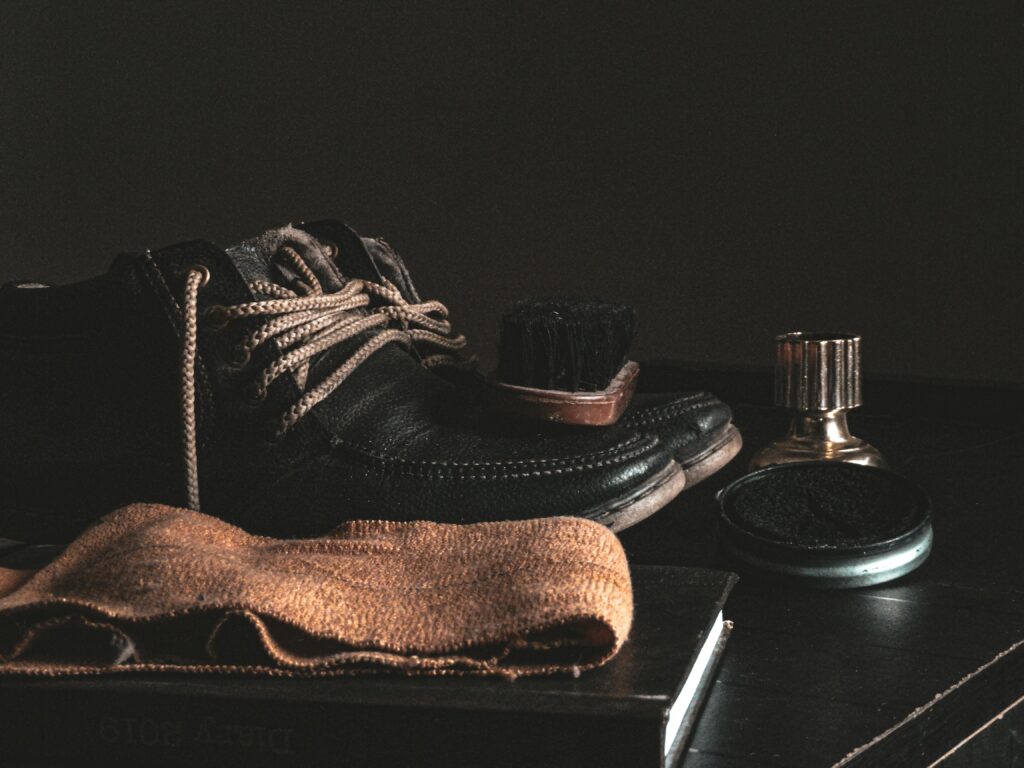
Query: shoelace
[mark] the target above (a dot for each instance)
(436, 331)
(303, 325)
(426, 323)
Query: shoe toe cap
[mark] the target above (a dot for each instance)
(686, 422)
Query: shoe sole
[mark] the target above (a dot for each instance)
(722, 450)
(641, 502)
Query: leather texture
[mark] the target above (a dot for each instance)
(687, 423)
(89, 411)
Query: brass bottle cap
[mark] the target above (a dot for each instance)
(817, 379)
(817, 371)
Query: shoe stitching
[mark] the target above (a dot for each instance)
(661, 414)
(541, 461)
(685, 401)
(414, 468)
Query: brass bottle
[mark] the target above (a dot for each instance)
(818, 378)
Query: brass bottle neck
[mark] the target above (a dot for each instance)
(821, 427)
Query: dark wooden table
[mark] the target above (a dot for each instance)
(809, 676)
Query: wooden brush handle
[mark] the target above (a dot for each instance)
(591, 409)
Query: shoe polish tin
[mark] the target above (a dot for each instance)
(826, 524)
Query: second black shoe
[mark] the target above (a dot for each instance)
(262, 385)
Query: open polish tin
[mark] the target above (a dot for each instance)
(827, 524)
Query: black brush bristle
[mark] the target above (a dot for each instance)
(572, 345)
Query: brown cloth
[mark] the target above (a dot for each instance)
(158, 589)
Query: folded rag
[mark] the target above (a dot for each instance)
(153, 588)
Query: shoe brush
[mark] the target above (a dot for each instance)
(566, 361)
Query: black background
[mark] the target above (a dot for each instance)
(735, 170)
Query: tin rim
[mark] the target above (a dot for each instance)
(845, 566)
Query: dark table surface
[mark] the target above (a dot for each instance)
(810, 675)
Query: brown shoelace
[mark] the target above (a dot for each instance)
(302, 325)
(442, 336)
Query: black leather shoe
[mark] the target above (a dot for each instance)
(695, 426)
(263, 386)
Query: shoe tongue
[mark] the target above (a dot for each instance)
(255, 260)
(390, 265)
(352, 259)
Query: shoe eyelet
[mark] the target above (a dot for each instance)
(216, 317)
(254, 394)
(204, 273)
(239, 358)
(330, 248)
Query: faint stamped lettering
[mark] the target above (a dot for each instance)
(209, 732)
